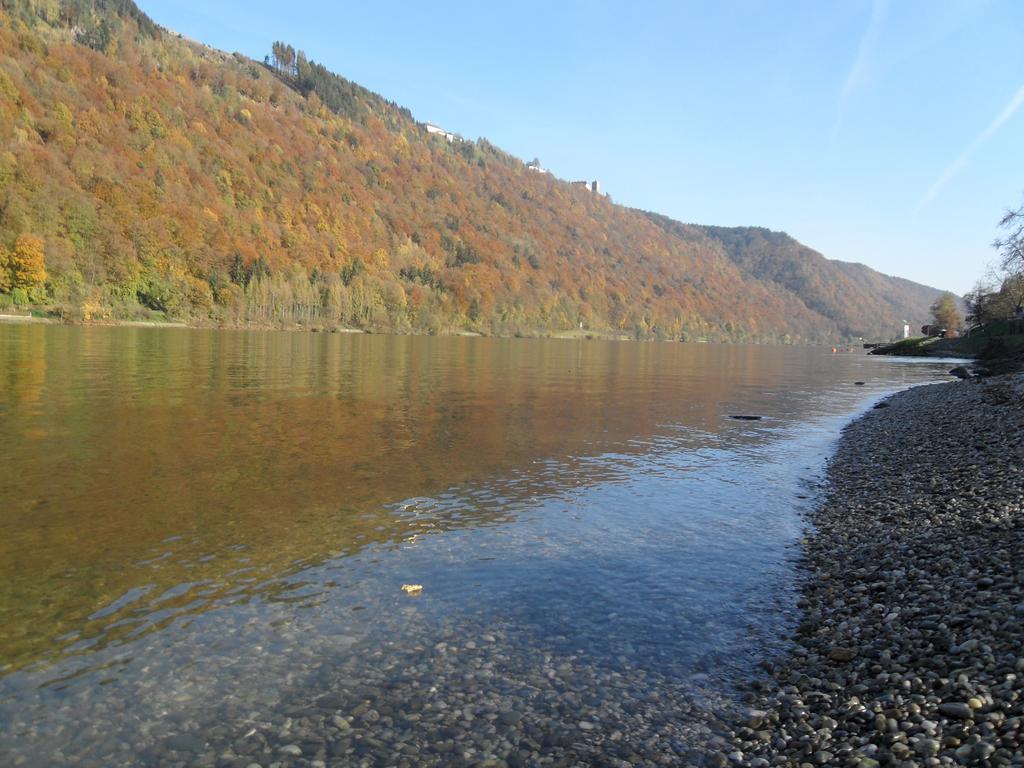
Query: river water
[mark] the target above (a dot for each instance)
(204, 535)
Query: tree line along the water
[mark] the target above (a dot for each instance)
(148, 167)
(995, 306)
(1000, 295)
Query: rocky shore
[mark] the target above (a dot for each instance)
(911, 647)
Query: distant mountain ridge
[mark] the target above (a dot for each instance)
(165, 178)
(848, 294)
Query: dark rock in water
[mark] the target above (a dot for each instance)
(185, 742)
(742, 417)
(332, 701)
(882, 404)
(961, 372)
(509, 717)
(753, 718)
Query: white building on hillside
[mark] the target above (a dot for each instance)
(438, 130)
(534, 165)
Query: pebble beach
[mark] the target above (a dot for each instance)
(910, 649)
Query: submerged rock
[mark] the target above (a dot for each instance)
(185, 742)
(753, 718)
(961, 372)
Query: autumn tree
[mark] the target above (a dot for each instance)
(26, 265)
(945, 311)
(6, 279)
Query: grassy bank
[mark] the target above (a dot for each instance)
(995, 343)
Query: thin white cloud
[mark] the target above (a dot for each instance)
(958, 165)
(859, 69)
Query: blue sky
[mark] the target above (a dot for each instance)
(890, 133)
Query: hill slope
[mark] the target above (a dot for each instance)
(162, 176)
(858, 299)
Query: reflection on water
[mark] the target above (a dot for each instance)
(209, 530)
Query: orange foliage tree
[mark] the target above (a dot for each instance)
(27, 263)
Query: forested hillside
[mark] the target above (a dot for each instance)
(142, 174)
(853, 296)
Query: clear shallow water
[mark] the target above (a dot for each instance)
(203, 535)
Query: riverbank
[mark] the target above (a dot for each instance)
(37, 319)
(998, 347)
(42, 315)
(925, 347)
(910, 650)
(28, 319)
